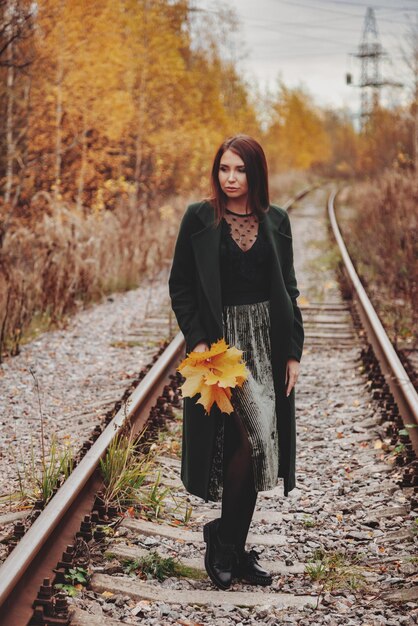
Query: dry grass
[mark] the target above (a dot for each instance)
(65, 259)
(382, 233)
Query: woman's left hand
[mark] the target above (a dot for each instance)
(292, 374)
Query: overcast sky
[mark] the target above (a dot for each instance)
(308, 42)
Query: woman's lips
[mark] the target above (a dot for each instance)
(232, 188)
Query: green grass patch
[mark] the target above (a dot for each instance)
(38, 480)
(308, 521)
(335, 570)
(154, 566)
(132, 481)
(412, 559)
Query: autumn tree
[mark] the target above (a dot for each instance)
(344, 144)
(386, 142)
(296, 136)
(410, 56)
(125, 101)
(15, 57)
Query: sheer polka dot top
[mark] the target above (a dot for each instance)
(243, 228)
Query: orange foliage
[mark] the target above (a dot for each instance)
(116, 89)
(213, 373)
(296, 137)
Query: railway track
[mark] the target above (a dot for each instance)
(341, 547)
(82, 374)
(393, 372)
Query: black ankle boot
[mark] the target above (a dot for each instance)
(248, 569)
(220, 558)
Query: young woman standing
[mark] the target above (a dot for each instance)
(232, 276)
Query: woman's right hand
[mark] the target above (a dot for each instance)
(202, 346)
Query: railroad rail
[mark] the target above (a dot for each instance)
(392, 369)
(38, 552)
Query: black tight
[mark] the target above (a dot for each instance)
(239, 494)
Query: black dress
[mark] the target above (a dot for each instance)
(245, 279)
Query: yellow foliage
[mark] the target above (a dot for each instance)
(117, 88)
(213, 373)
(296, 137)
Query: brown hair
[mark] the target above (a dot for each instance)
(255, 163)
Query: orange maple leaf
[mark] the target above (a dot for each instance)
(213, 374)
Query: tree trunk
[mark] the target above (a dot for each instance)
(58, 117)
(58, 122)
(415, 53)
(142, 103)
(83, 165)
(9, 108)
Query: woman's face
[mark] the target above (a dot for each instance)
(232, 176)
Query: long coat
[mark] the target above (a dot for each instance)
(195, 291)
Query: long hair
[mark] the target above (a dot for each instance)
(256, 170)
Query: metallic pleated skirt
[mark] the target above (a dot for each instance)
(247, 327)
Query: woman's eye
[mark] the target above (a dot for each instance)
(224, 168)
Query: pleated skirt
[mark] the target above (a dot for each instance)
(247, 326)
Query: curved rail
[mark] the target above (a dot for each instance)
(392, 369)
(38, 551)
(300, 194)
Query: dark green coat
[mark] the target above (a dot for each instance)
(195, 292)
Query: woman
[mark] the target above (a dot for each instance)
(232, 276)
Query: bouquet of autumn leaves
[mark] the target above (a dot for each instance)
(213, 373)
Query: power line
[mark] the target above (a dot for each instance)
(323, 9)
(342, 14)
(283, 55)
(316, 24)
(306, 36)
(316, 8)
(364, 5)
(269, 24)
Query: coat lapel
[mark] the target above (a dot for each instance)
(274, 235)
(271, 231)
(206, 244)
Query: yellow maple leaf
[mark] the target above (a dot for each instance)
(213, 373)
(213, 393)
(193, 358)
(194, 380)
(225, 374)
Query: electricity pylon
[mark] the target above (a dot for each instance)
(371, 52)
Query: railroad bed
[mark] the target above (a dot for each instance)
(348, 511)
(82, 371)
(342, 546)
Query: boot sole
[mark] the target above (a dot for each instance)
(264, 582)
(206, 536)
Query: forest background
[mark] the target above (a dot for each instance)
(110, 116)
